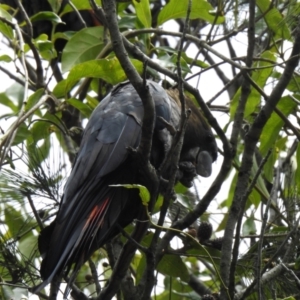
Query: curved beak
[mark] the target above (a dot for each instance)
(204, 164)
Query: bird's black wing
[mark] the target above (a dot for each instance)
(90, 208)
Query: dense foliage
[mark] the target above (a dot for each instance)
(238, 61)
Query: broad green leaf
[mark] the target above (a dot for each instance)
(260, 76)
(22, 134)
(294, 83)
(45, 48)
(15, 92)
(5, 58)
(170, 62)
(66, 35)
(279, 229)
(143, 12)
(109, 70)
(140, 268)
(201, 9)
(46, 16)
(181, 286)
(34, 99)
(92, 102)
(4, 14)
(274, 125)
(13, 220)
(199, 63)
(55, 5)
(173, 266)
(27, 245)
(5, 28)
(189, 60)
(143, 191)
(59, 90)
(274, 19)
(158, 204)
(127, 22)
(180, 188)
(82, 107)
(80, 5)
(249, 226)
(83, 46)
(6, 101)
(255, 197)
(40, 130)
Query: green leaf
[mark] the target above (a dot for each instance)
(173, 266)
(274, 19)
(249, 226)
(5, 58)
(83, 46)
(45, 47)
(13, 220)
(34, 99)
(40, 130)
(143, 12)
(80, 5)
(4, 14)
(46, 16)
(27, 245)
(177, 9)
(59, 90)
(6, 101)
(15, 92)
(92, 102)
(5, 28)
(140, 268)
(199, 63)
(144, 193)
(170, 62)
(271, 131)
(82, 107)
(158, 204)
(127, 22)
(22, 134)
(109, 70)
(55, 5)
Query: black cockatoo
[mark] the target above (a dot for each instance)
(91, 211)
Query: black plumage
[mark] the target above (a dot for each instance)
(91, 210)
